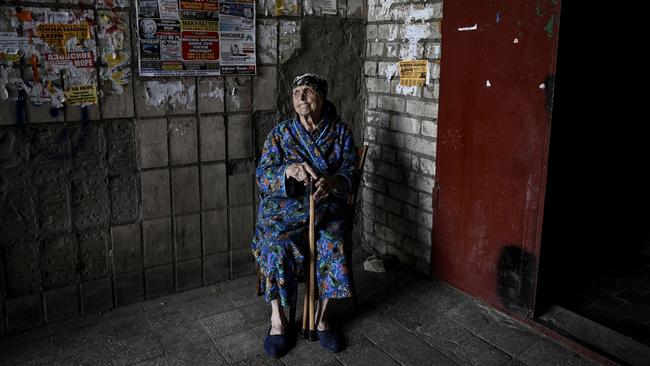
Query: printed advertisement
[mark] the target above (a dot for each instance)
(178, 37)
(413, 72)
(81, 94)
(196, 37)
(237, 28)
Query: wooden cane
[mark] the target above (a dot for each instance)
(312, 264)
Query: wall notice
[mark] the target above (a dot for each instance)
(413, 72)
(196, 37)
(237, 26)
(81, 94)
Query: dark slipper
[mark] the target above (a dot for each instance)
(332, 340)
(278, 345)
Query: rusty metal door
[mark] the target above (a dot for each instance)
(497, 67)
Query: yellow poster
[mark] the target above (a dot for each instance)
(81, 94)
(58, 34)
(413, 72)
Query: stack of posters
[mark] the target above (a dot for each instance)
(196, 37)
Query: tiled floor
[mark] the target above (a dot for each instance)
(619, 298)
(402, 319)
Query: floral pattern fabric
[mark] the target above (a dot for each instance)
(280, 244)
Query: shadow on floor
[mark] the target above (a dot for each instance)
(402, 319)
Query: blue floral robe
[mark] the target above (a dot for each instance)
(280, 243)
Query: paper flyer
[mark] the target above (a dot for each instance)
(413, 72)
(196, 37)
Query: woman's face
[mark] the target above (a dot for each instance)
(306, 100)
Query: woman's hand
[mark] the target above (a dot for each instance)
(301, 172)
(326, 184)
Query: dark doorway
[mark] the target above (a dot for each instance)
(595, 252)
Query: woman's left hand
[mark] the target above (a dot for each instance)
(324, 186)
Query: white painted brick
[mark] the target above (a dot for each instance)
(402, 193)
(404, 160)
(420, 145)
(425, 202)
(374, 151)
(427, 166)
(423, 218)
(388, 154)
(431, 90)
(372, 101)
(422, 108)
(370, 68)
(404, 124)
(371, 31)
(415, 163)
(369, 166)
(412, 50)
(356, 9)
(429, 128)
(388, 138)
(396, 88)
(377, 49)
(368, 195)
(392, 49)
(377, 85)
(368, 226)
(420, 182)
(388, 32)
(389, 203)
(370, 133)
(392, 103)
(387, 69)
(424, 236)
(433, 51)
(377, 118)
(375, 182)
(390, 172)
(434, 71)
(399, 224)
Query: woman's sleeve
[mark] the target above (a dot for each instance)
(348, 169)
(270, 171)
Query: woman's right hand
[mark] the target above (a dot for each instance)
(301, 172)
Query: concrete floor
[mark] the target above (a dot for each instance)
(402, 319)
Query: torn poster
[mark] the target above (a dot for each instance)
(320, 7)
(61, 50)
(413, 72)
(115, 50)
(178, 37)
(11, 47)
(237, 35)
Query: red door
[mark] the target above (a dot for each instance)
(498, 62)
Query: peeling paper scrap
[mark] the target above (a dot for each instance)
(413, 72)
(471, 28)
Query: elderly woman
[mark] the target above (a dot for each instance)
(314, 145)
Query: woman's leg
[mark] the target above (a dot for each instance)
(321, 321)
(278, 320)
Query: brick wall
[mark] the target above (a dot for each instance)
(139, 197)
(400, 129)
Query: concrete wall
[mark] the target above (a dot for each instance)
(152, 191)
(400, 127)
